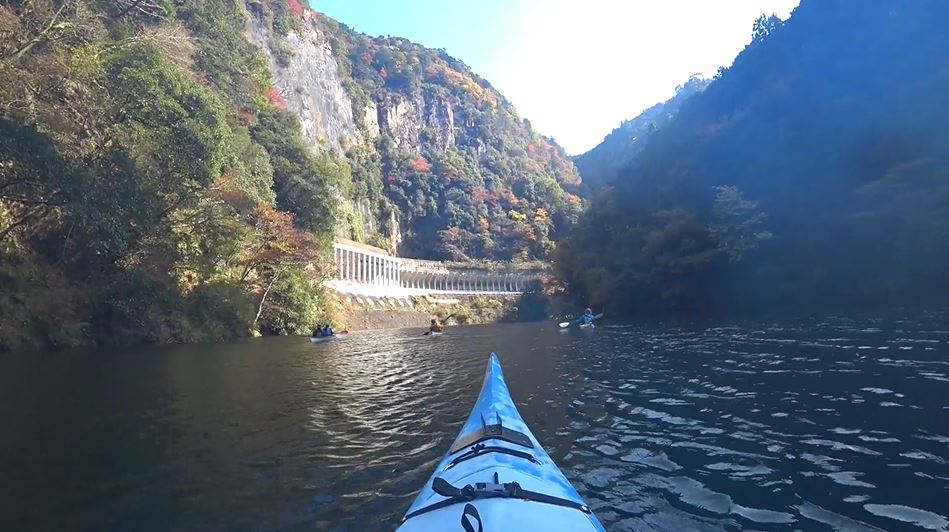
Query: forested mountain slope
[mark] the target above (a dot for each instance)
(433, 147)
(175, 170)
(602, 164)
(812, 174)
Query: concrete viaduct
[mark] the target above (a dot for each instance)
(366, 270)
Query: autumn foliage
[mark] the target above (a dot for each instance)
(296, 7)
(421, 165)
(276, 99)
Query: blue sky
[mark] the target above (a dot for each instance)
(575, 69)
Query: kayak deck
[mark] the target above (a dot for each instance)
(497, 474)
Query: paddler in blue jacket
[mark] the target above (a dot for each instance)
(587, 317)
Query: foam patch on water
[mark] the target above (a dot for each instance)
(908, 514)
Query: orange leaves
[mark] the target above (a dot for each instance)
(463, 81)
(276, 99)
(225, 190)
(572, 199)
(541, 215)
(280, 241)
(452, 234)
(420, 165)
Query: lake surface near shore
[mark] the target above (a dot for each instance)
(817, 424)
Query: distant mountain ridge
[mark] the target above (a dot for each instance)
(601, 165)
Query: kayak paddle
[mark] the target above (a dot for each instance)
(444, 320)
(565, 324)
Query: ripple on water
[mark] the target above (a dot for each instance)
(908, 514)
(657, 459)
(849, 478)
(694, 493)
(839, 522)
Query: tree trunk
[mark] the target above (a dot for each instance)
(263, 299)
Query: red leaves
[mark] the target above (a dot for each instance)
(296, 7)
(483, 195)
(276, 99)
(384, 73)
(420, 165)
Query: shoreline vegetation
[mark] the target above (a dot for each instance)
(156, 185)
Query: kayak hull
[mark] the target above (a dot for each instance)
(323, 339)
(496, 447)
(435, 334)
(587, 326)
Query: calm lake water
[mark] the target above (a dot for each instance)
(812, 425)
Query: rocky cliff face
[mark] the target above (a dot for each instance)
(306, 75)
(405, 119)
(432, 147)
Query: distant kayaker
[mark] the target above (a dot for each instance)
(435, 327)
(323, 331)
(587, 317)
